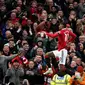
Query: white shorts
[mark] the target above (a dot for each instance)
(62, 54)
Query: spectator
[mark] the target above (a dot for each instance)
(9, 25)
(39, 44)
(40, 8)
(75, 4)
(81, 8)
(6, 50)
(57, 78)
(33, 9)
(79, 27)
(27, 34)
(31, 72)
(23, 42)
(22, 26)
(15, 73)
(19, 3)
(8, 36)
(44, 15)
(73, 66)
(51, 44)
(21, 58)
(52, 14)
(40, 52)
(81, 50)
(79, 62)
(19, 12)
(54, 25)
(30, 69)
(72, 20)
(13, 47)
(60, 17)
(17, 31)
(77, 78)
(72, 49)
(40, 63)
(13, 17)
(82, 39)
(3, 13)
(4, 60)
(49, 4)
(27, 52)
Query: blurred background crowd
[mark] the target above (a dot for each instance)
(20, 21)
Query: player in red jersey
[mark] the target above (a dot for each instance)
(64, 36)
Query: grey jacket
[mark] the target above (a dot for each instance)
(15, 75)
(4, 60)
(81, 9)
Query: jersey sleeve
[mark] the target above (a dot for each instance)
(73, 36)
(52, 35)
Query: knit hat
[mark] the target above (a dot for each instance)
(80, 69)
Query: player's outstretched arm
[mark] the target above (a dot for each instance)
(52, 35)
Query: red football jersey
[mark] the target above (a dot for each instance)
(64, 36)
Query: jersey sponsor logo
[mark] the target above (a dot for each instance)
(60, 78)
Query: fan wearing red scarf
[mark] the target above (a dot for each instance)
(64, 36)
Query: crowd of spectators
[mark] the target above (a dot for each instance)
(23, 46)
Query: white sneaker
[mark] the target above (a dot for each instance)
(49, 71)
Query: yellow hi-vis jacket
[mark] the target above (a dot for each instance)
(57, 80)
